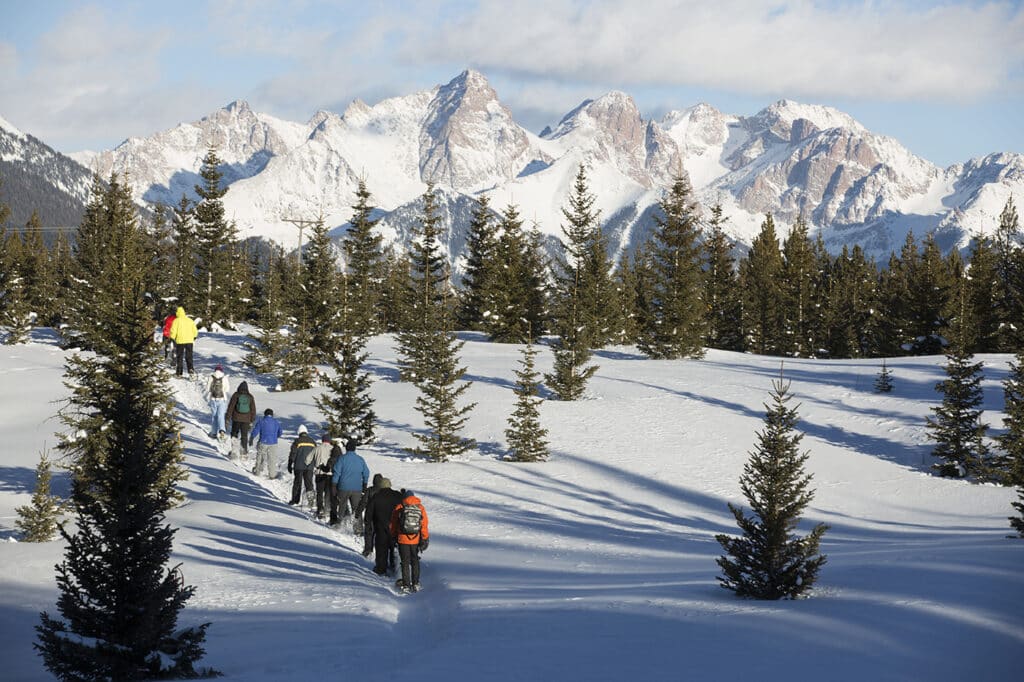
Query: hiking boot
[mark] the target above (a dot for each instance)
(293, 502)
(415, 587)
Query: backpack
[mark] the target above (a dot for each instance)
(217, 388)
(243, 404)
(410, 519)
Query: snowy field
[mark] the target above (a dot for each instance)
(596, 565)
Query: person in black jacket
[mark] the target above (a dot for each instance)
(299, 460)
(362, 522)
(378, 524)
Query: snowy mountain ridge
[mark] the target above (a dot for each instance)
(790, 159)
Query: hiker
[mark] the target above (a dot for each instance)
(218, 388)
(299, 461)
(168, 321)
(241, 411)
(409, 529)
(378, 527)
(362, 513)
(265, 434)
(322, 472)
(349, 477)
(183, 333)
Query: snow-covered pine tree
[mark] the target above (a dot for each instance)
(393, 312)
(17, 315)
(760, 278)
(957, 428)
(425, 292)
(119, 601)
(216, 244)
(575, 323)
(1010, 269)
(347, 404)
(800, 287)
(769, 561)
(185, 287)
(883, 382)
(514, 298)
(481, 245)
(320, 302)
(527, 439)
(1010, 461)
(267, 347)
(723, 323)
(295, 368)
(364, 262)
(985, 298)
(37, 520)
(441, 387)
(675, 324)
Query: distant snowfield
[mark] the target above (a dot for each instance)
(596, 565)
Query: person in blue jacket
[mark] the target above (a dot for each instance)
(265, 434)
(350, 478)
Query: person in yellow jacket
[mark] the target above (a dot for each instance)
(183, 334)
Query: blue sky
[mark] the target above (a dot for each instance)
(946, 79)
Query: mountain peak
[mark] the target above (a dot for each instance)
(9, 127)
(239, 106)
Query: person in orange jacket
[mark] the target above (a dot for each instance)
(410, 530)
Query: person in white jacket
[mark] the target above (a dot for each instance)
(218, 388)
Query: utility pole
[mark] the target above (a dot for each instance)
(301, 224)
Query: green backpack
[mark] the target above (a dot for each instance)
(244, 403)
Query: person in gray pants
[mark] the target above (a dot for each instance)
(350, 478)
(300, 460)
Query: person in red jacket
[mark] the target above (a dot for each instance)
(410, 530)
(168, 321)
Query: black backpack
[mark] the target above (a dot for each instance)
(217, 387)
(410, 519)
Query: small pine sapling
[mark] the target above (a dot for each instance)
(526, 438)
(37, 520)
(769, 561)
(883, 382)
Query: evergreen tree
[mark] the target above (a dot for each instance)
(1011, 443)
(320, 306)
(393, 312)
(724, 323)
(16, 315)
(118, 599)
(364, 260)
(800, 286)
(1010, 272)
(627, 284)
(477, 279)
(894, 327)
(770, 561)
(575, 323)
(932, 286)
(760, 278)
(269, 341)
(957, 428)
(37, 521)
(216, 248)
(675, 324)
(425, 293)
(849, 299)
(514, 296)
(527, 439)
(347, 404)
(883, 382)
(984, 296)
(185, 281)
(440, 389)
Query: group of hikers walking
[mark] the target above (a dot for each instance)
(335, 481)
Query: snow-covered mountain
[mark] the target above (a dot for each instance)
(791, 159)
(35, 177)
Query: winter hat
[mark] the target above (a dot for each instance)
(302, 428)
(268, 412)
(326, 438)
(218, 368)
(351, 445)
(385, 483)
(377, 480)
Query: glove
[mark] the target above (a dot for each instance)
(324, 468)
(424, 543)
(289, 468)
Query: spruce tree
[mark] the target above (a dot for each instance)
(800, 286)
(1010, 461)
(393, 311)
(883, 382)
(895, 332)
(37, 521)
(216, 244)
(481, 246)
(320, 305)
(849, 301)
(514, 296)
(1010, 272)
(268, 343)
(364, 262)
(526, 437)
(575, 323)
(347, 404)
(724, 323)
(675, 324)
(984, 296)
(957, 428)
(425, 292)
(16, 315)
(769, 561)
(760, 283)
(184, 286)
(627, 284)
(119, 601)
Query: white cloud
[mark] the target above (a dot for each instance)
(873, 50)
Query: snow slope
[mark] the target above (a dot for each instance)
(599, 564)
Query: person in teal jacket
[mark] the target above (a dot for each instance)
(350, 478)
